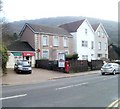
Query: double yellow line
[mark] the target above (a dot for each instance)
(114, 104)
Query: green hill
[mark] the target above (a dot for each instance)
(110, 26)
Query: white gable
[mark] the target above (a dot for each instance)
(102, 27)
(88, 37)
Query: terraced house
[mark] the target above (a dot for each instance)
(101, 41)
(44, 42)
(48, 42)
(90, 42)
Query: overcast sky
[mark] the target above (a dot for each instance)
(15, 10)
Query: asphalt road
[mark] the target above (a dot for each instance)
(82, 91)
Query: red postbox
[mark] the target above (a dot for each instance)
(67, 66)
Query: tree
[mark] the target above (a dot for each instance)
(3, 49)
(3, 57)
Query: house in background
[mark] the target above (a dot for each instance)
(20, 51)
(114, 52)
(83, 38)
(90, 41)
(47, 42)
(101, 41)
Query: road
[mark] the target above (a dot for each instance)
(82, 91)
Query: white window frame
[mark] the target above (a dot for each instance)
(102, 35)
(65, 42)
(98, 33)
(105, 46)
(86, 31)
(84, 43)
(55, 43)
(46, 43)
(92, 44)
(43, 51)
(99, 45)
(84, 57)
(106, 56)
(99, 55)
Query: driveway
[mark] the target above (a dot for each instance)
(38, 75)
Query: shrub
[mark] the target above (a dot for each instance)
(72, 56)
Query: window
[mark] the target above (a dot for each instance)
(102, 34)
(105, 55)
(45, 54)
(45, 40)
(56, 41)
(99, 33)
(86, 31)
(84, 43)
(99, 45)
(99, 55)
(65, 42)
(105, 46)
(92, 45)
(84, 57)
(66, 52)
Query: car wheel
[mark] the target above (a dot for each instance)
(103, 73)
(114, 72)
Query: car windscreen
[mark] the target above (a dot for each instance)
(25, 63)
(107, 65)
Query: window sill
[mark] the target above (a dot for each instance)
(66, 47)
(55, 45)
(45, 45)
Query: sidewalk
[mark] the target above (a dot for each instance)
(37, 76)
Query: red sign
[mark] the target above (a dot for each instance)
(27, 53)
(38, 50)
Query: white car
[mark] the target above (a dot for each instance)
(110, 68)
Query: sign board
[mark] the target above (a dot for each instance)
(61, 60)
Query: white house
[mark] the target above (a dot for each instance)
(83, 38)
(101, 41)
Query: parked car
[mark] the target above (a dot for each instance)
(22, 66)
(110, 68)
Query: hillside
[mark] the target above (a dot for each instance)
(110, 26)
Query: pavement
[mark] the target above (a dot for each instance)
(38, 75)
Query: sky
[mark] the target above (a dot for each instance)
(15, 10)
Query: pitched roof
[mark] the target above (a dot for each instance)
(72, 26)
(95, 26)
(20, 46)
(47, 30)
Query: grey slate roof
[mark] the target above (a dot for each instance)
(72, 26)
(20, 46)
(48, 30)
(95, 26)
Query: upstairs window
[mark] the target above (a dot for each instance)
(99, 45)
(86, 31)
(56, 41)
(65, 42)
(45, 40)
(92, 45)
(99, 33)
(105, 46)
(102, 34)
(84, 43)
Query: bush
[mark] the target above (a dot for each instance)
(72, 56)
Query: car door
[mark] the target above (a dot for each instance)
(116, 67)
